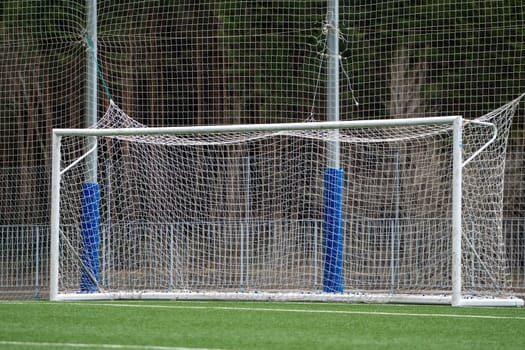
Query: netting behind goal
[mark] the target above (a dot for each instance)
(245, 212)
(219, 62)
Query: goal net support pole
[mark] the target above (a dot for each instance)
(333, 177)
(90, 189)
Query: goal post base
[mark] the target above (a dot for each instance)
(491, 302)
(366, 298)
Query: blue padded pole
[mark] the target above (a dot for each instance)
(333, 231)
(89, 275)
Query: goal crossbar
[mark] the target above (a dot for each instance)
(185, 130)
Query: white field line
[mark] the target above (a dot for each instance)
(291, 310)
(94, 346)
(348, 312)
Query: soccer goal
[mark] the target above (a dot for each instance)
(253, 212)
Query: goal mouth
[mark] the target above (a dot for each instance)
(412, 215)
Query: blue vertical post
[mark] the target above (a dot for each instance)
(333, 177)
(333, 231)
(89, 275)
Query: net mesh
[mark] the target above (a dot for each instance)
(245, 211)
(240, 61)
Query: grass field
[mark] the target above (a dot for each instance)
(255, 325)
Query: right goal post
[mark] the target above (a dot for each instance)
(237, 212)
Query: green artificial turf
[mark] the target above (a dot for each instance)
(256, 325)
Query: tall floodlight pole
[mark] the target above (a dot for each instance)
(91, 190)
(333, 178)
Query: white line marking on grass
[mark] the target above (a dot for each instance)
(311, 311)
(102, 346)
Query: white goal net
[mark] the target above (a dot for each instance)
(194, 212)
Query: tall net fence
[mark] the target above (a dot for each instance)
(230, 62)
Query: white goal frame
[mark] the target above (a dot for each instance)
(455, 299)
